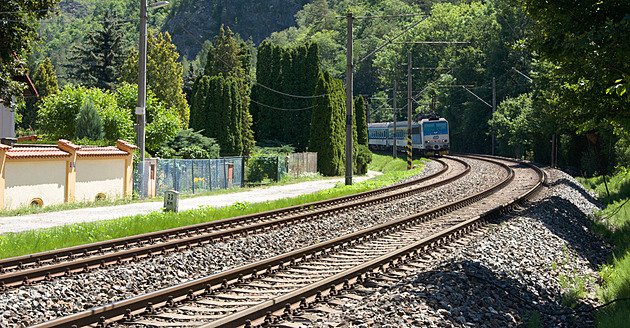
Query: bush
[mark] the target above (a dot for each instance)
(193, 152)
(187, 139)
(363, 158)
(261, 168)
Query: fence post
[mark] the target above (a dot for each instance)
(192, 173)
(242, 171)
(175, 184)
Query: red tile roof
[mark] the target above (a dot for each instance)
(64, 149)
(87, 151)
(35, 152)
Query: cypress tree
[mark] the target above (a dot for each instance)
(361, 128)
(88, 123)
(229, 62)
(327, 126)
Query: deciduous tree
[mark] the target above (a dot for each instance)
(164, 73)
(18, 35)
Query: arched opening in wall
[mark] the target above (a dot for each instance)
(100, 197)
(36, 202)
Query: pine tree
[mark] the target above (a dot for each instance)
(88, 123)
(97, 64)
(45, 81)
(164, 73)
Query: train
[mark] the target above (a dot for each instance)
(429, 136)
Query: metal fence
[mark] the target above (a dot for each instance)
(192, 176)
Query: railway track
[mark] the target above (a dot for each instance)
(34, 268)
(283, 286)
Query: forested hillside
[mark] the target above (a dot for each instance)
(554, 74)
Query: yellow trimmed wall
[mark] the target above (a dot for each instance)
(101, 176)
(64, 179)
(28, 180)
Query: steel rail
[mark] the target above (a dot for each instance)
(285, 305)
(126, 309)
(151, 248)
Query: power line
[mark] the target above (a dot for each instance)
(284, 109)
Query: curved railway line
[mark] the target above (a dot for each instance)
(283, 286)
(30, 269)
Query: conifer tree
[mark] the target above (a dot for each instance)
(359, 113)
(327, 126)
(224, 87)
(293, 71)
(97, 64)
(88, 123)
(45, 81)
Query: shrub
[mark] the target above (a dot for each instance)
(364, 157)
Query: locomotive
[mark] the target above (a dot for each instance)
(429, 136)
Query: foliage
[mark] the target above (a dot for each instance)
(328, 126)
(18, 36)
(164, 74)
(361, 127)
(587, 41)
(88, 123)
(216, 111)
(261, 168)
(220, 98)
(97, 64)
(58, 114)
(45, 82)
(291, 71)
(514, 122)
(364, 157)
(189, 144)
(194, 152)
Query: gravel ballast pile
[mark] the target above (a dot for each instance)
(523, 270)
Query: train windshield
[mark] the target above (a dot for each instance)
(438, 127)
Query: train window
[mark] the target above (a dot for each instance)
(415, 130)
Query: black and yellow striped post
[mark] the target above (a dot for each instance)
(409, 150)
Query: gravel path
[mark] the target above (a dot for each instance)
(52, 219)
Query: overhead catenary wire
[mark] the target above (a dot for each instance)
(283, 109)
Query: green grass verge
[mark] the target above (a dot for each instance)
(72, 206)
(614, 225)
(33, 241)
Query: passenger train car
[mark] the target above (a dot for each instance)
(429, 136)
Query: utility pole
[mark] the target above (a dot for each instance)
(349, 80)
(409, 105)
(494, 107)
(395, 146)
(349, 93)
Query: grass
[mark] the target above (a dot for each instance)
(107, 202)
(614, 225)
(33, 241)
